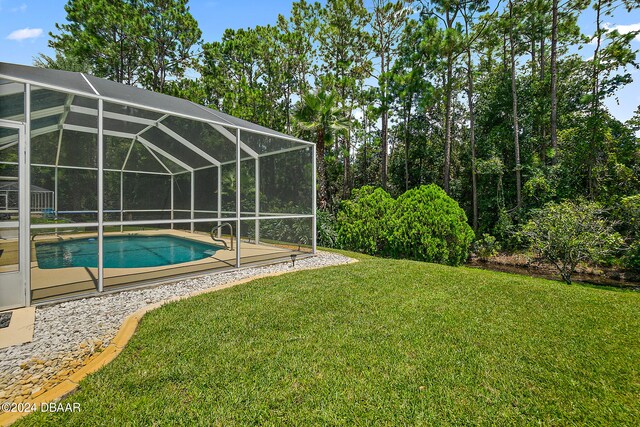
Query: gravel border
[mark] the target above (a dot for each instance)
(67, 333)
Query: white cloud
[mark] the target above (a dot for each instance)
(21, 8)
(624, 29)
(25, 33)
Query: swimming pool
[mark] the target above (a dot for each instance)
(133, 251)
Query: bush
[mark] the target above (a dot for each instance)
(569, 233)
(428, 225)
(327, 229)
(486, 247)
(363, 221)
(505, 230)
(422, 224)
(631, 259)
(627, 214)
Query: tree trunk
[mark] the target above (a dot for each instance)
(383, 131)
(533, 57)
(288, 108)
(385, 148)
(542, 60)
(347, 164)
(504, 53)
(447, 125)
(554, 80)
(472, 140)
(543, 128)
(322, 180)
(406, 146)
(595, 102)
(515, 114)
(364, 149)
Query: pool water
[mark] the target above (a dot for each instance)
(123, 252)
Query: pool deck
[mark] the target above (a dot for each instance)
(76, 281)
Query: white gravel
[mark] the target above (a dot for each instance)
(61, 329)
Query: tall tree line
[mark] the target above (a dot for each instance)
(494, 101)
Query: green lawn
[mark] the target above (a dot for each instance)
(378, 342)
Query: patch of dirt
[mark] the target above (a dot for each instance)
(523, 264)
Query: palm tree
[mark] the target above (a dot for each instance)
(319, 114)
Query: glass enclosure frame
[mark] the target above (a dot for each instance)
(253, 147)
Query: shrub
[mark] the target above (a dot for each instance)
(282, 231)
(627, 214)
(327, 229)
(486, 247)
(569, 233)
(631, 259)
(422, 224)
(428, 225)
(363, 221)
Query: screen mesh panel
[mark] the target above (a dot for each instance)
(286, 182)
(175, 148)
(50, 123)
(182, 192)
(77, 194)
(42, 99)
(9, 184)
(263, 144)
(143, 97)
(206, 192)
(9, 153)
(78, 149)
(123, 126)
(219, 144)
(111, 196)
(130, 112)
(44, 148)
(287, 233)
(148, 194)
(170, 164)
(11, 100)
(115, 151)
(142, 159)
(89, 121)
(228, 189)
(43, 177)
(248, 187)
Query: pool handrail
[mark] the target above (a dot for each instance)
(215, 239)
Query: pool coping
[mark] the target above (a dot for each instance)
(122, 338)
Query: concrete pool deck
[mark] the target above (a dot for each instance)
(72, 282)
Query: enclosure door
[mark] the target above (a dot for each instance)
(13, 217)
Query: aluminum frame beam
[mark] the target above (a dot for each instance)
(224, 132)
(188, 144)
(165, 154)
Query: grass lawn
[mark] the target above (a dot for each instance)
(378, 342)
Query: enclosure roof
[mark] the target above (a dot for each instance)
(91, 86)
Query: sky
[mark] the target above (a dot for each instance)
(25, 27)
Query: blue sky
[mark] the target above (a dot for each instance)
(25, 24)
